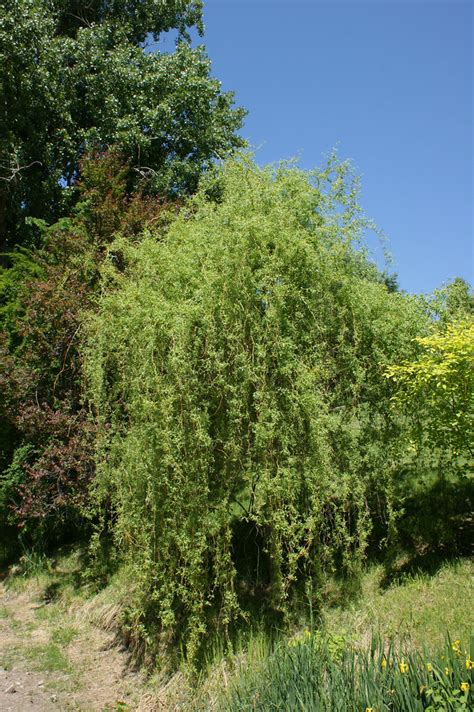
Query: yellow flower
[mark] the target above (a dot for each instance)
(469, 663)
(369, 709)
(422, 688)
(383, 663)
(403, 667)
(429, 667)
(456, 647)
(446, 671)
(464, 686)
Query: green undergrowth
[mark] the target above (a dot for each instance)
(414, 619)
(317, 672)
(418, 606)
(352, 655)
(59, 576)
(63, 583)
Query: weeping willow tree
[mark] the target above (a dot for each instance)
(236, 370)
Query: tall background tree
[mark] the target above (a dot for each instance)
(75, 75)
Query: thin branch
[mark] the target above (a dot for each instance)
(16, 170)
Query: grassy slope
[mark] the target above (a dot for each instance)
(57, 642)
(419, 608)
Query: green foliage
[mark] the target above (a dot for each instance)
(14, 277)
(135, 18)
(439, 384)
(318, 673)
(75, 75)
(452, 302)
(12, 477)
(434, 398)
(236, 371)
(42, 293)
(12, 288)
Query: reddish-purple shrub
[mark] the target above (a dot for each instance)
(40, 372)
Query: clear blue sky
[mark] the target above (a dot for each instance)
(391, 84)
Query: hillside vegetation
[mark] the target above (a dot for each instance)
(258, 449)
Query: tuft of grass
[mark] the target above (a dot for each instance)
(64, 635)
(9, 657)
(48, 658)
(48, 613)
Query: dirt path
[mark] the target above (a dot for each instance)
(52, 658)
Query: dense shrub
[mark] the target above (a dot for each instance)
(43, 413)
(434, 395)
(236, 371)
(43, 293)
(438, 388)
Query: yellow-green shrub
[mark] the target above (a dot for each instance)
(235, 366)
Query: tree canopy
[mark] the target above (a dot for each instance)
(236, 370)
(75, 76)
(136, 19)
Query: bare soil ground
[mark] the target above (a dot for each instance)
(54, 659)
